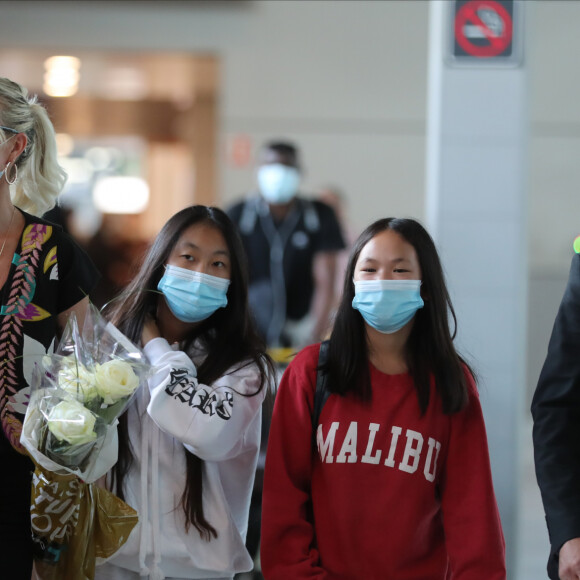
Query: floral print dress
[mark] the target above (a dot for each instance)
(49, 274)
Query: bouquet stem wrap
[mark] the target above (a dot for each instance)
(70, 431)
(73, 524)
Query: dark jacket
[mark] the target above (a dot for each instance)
(556, 414)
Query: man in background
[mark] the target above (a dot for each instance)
(292, 244)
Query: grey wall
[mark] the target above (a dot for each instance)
(346, 80)
(554, 198)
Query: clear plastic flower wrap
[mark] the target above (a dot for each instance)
(77, 395)
(70, 432)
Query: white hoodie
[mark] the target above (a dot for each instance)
(219, 425)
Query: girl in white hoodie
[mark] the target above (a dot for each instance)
(189, 443)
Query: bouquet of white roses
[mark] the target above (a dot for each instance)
(77, 394)
(70, 431)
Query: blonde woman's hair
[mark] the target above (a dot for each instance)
(40, 177)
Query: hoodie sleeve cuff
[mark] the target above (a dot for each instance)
(156, 348)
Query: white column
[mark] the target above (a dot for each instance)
(476, 210)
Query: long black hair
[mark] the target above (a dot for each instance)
(228, 336)
(430, 352)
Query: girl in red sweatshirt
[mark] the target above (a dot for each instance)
(396, 484)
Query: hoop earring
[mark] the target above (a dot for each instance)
(15, 174)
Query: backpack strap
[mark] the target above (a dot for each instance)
(321, 393)
(249, 215)
(311, 219)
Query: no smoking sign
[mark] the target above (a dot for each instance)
(483, 30)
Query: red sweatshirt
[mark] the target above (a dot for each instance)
(395, 495)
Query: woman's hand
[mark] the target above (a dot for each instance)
(150, 330)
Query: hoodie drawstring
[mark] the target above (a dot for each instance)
(156, 573)
(145, 435)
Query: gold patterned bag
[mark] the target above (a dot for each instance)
(73, 524)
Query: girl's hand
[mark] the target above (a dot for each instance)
(150, 330)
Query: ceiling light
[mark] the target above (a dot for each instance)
(61, 77)
(121, 194)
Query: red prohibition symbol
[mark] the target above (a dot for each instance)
(483, 28)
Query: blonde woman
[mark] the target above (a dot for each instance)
(44, 276)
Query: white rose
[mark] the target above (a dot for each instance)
(71, 422)
(76, 380)
(115, 380)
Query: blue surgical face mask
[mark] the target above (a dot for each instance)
(387, 305)
(192, 296)
(278, 183)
